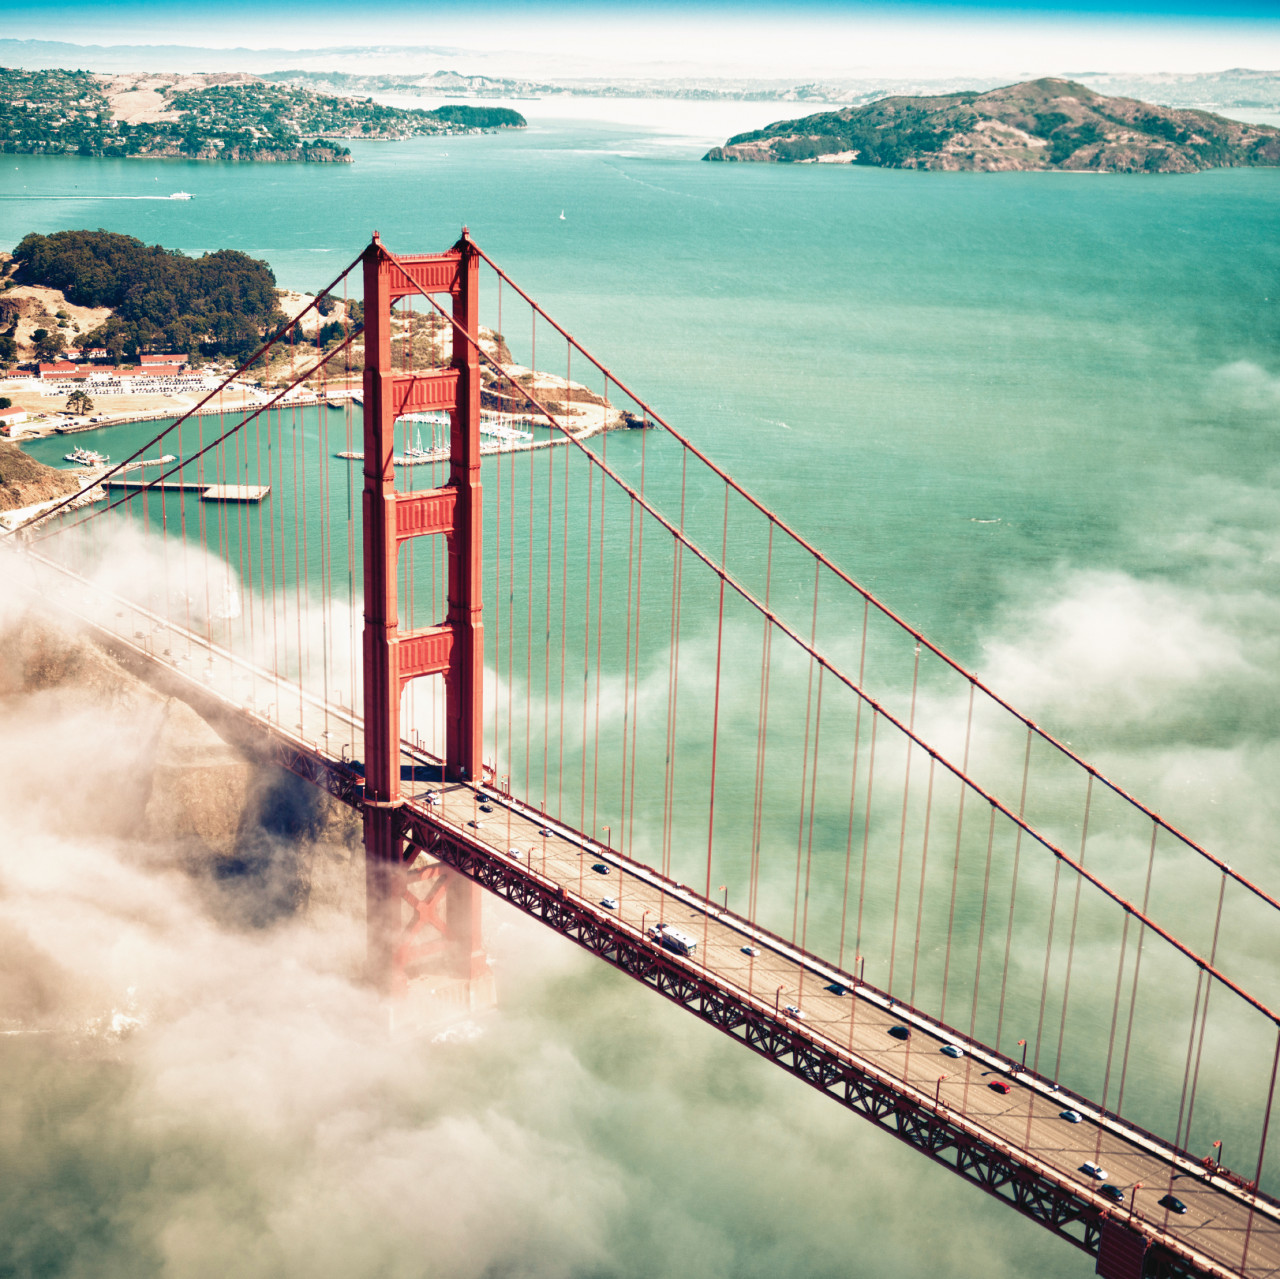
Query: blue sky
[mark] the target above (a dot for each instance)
(751, 36)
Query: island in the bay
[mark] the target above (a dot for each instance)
(1041, 124)
(224, 116)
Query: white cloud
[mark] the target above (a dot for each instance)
(1245, 385)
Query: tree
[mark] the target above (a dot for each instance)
(5, 402)
(50, 346)
(79, 402)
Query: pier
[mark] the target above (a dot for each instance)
(207, 492)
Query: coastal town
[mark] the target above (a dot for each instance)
(230, 116)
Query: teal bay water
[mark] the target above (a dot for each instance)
(1036, 413)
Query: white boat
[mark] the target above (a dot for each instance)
(561, 215)
(86, 457)
(182, 195)
(415, 449)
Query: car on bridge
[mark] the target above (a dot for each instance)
(673, 939)
(600, 868)
(1072, 1116)
(609, 903)
(1094, 1170)
(1114, 1193)
(793, 1011)
(1173, 1203)
(950, 1050)
(999, 1085)
(900, 1032)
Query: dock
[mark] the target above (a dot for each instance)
(207, 492)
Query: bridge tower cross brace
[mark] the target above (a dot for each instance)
(453, 648)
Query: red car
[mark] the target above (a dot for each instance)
(999, 1086)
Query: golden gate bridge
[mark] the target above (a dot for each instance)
(612, 687)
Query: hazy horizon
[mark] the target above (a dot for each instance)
(665, 40)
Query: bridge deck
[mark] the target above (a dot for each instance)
(843, 1019)
(855, 1019)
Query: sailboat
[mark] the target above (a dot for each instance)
(561, 215)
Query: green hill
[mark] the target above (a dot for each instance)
(1042, 124)
(207, 117)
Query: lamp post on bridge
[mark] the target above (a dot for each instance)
(1217, 1145)
(1133, 1197)
(1022, 1043)
(776, 994)
(937, 1089)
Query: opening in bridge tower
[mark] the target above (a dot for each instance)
(452, 648)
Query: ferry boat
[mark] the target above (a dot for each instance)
(86, 457)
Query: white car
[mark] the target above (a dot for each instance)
(750, 950)
(514, 852)
(792, 1011)
(1094, 1170)
(609, 903)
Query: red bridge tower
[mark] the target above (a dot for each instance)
(400, 921)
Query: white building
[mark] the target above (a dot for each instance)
(11, 421)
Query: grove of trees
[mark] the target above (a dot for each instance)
(221, 303)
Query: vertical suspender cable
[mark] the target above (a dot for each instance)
(1071, 943)
(635, 698)
(924, 866)
(1204, 1016)
(853, 785)
(1137, 968)
(1013, 891)
(955, 865)
(982, 926)
(1262, 1151)
(762, 740)
(804, 765)
(715, 723)
(902, 830)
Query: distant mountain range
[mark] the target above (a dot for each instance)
(1042, 124)
(441, 70)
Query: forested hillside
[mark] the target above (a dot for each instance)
(218, 304)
